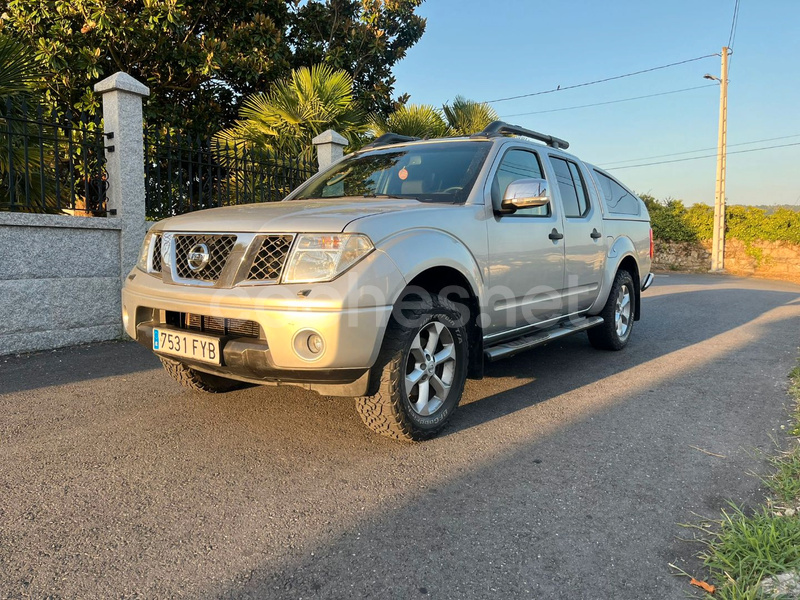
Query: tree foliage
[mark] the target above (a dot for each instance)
(366, 38)
(200, 59)
(296, 110)
(699, 218)
(672, 221)
(466, 117)
(749, 224)
(194, 56)
(314, 99)
(415, 120)
(19, 72)
(19, 165)
(667, 220)
(462, 117)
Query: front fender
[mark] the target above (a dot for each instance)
(416, 251)
(621, 248)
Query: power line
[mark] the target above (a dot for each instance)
(732, 35)
(664, 162)
(539, 112)
(734, 22)
(578, 85)
(618, 162)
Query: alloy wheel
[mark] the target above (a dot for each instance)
(430, 368)
(622, 312)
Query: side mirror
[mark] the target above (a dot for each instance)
(524, 193)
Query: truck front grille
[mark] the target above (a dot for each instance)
(156, 262)
(214, 325)
(189, 247)
(270, 258)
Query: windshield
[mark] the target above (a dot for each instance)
(439, 172)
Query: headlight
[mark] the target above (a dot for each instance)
(322, 257)
(144, 253)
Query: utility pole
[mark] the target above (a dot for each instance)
(718, 242)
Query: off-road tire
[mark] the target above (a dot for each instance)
(197, 380)
(605, 336)
(388, 410)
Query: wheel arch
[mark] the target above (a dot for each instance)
(454, 285)
(419, 250)
(629, 264)
(621, 256)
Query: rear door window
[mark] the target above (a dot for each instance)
(574, 195)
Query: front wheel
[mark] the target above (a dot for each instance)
(617, 314)
(420, 372)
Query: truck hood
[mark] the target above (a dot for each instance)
(313, 216)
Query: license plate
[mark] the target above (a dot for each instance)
(202, 348)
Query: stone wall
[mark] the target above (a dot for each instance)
(59, 281)
(61, 276)
(682, 256)
(770, 260)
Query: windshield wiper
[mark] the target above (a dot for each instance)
(388, 196)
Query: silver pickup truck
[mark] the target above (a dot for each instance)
(396, 273)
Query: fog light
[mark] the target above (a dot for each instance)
(308, 344)
(314, 343)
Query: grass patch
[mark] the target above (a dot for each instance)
(794, 390)
(784, 482)
(744, 548)
(748, 548)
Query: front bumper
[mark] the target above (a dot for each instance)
(250, 360)
(352, 335)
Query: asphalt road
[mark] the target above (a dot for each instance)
(563, 475)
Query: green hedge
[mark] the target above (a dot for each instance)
(673, 222)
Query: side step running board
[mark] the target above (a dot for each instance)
(511, 348)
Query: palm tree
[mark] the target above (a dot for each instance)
(415, 120)
(466, 117)
(462, 117)
(296, 110)
(19, 168)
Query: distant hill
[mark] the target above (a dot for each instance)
(771, 208)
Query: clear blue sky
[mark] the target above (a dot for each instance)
(493, 49)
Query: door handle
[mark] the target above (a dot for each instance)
(554, 235)
(596, 235)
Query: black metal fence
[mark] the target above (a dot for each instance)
(183, 175)
(51, 161)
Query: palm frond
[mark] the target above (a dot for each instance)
(466, 117)
(416, 120)
(18, 68)
(24, 173)
(296, 110)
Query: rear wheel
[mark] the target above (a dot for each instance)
(617, 314)
(420, 372)
(197, 380)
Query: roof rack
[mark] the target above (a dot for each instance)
(390, 138)
(501, 127)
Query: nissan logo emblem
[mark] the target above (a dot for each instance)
(198, 257)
